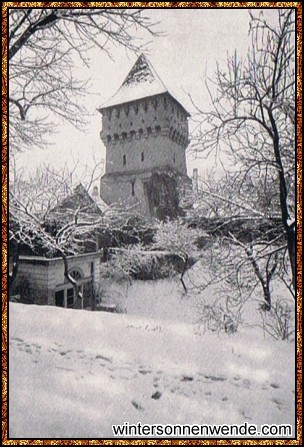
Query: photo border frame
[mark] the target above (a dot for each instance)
(156, 441)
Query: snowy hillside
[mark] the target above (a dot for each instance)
(74, 373)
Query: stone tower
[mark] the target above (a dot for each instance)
(145, 131)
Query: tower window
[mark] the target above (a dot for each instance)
(157, 129)
(124, 160)
(173, 158)
(109, 138)
(124, 135)
(116, 137)
(140, 132)
(133, 134)
(149, 130)
(142, 156)
(133, 188)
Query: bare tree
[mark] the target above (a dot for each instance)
(253, 116)
(244, 213)
(45, 45)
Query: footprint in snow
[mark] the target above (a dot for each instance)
(246, 383)
(277, 402)
(63, 353)
(157, 395)
(175, 389)
(144, 371)
(103, 357)
(245, 415)
(215, 378)
(186, 379)
(136, 405)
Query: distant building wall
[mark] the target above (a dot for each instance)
(142, 137)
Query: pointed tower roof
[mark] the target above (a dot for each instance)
(141, 82)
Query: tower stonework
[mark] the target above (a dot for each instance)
(145, 131)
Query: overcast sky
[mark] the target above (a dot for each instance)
(194, 40)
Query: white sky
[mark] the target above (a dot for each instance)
(194, 40)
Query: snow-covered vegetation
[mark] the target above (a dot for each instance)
(74, 373)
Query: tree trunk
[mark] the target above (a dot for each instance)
(289, 229)
(184, 271)
(264, 284)
(291, 245)
(72, 281)
(267, 296)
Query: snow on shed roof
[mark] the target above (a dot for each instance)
(141, 82)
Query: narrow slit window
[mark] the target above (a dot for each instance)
(142, 156)
(133, 188)
(124, 160)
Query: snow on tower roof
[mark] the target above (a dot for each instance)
(141, 82)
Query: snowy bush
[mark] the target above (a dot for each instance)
(218, 317)
(136, 261)
(279, 322)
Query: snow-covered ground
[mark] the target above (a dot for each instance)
(74, 373)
